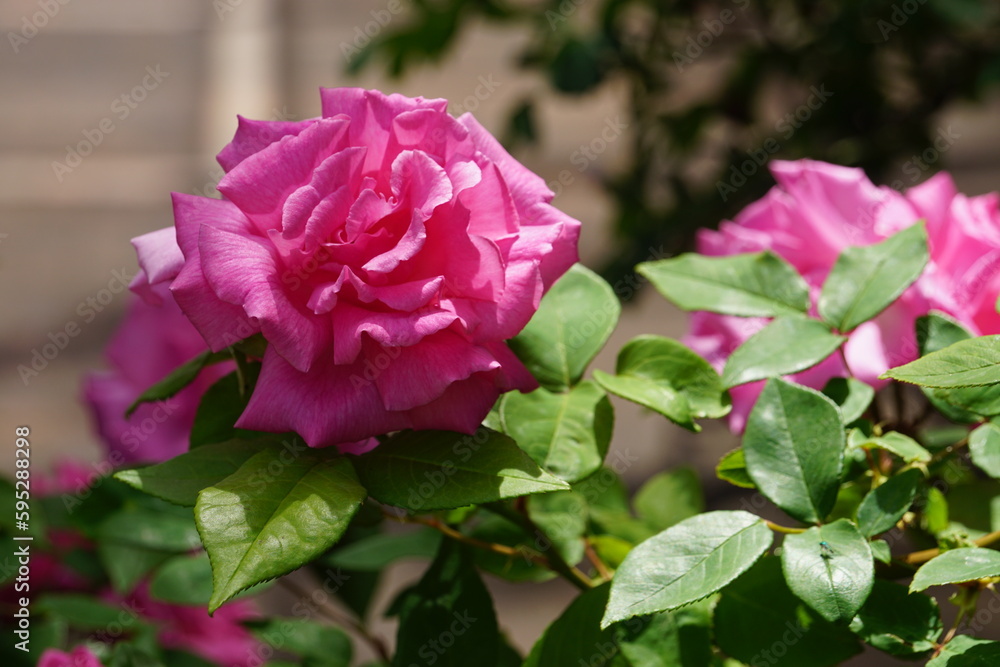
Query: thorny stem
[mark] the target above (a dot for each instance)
(574, 576)
(555, 560)
(334, 615)
(918, 557)
(595, 560)
(778, 528)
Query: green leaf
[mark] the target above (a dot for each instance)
(451, 605)
(881, 551)
(785, 346)
(677, 639)
(378, 551)
(572, 324)
(852, 396)
(935, 515)
(178, 378)
(184, 580)
(499, 530)
(748, 285)
(179, 479)
(957, 566)
(562, 519)
(612, 550)
(127, 564)
(886, 504)
(901, 445)
(664, 375)
(566, 434)
(150, 528)
(966, 651)
(576, 635)
(84, 612)
(968, 363)
(757, 613)
(273, 515)
(686, 562)
(428, 470)
(977, 402)
(681, 638)
(732, 468)
(794, 448)
(221, 405)
(984, 447)
(865, 280)
(896, 622)
(936, 331)
(669, 498)
(830, 568)
(319, 645)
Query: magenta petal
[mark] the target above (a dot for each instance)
(221, 324)
(421, 373)
(526, 187)
(328, 181)
(328, 406)
(160, 260)
(461, 408)
(512, 373)
(390, 329)
(372, 114)
(191, 212)
(242, 270)
(424, 185)
(252, 136)
(260, 184)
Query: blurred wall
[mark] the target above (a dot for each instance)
(108, 105)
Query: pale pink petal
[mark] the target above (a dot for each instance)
(160, 260)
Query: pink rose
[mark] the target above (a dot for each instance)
(80, 656)
(386, 250)
(816, 211)
(151, 342)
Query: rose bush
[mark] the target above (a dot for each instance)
(384, 250)
(817, 210)
(73, 561)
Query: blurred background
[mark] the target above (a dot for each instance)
(648, 119)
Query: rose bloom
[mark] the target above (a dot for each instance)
(386, 250)
(80, 656)
(815, 212)
(153, 339)
(221, 638)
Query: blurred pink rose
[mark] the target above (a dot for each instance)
(151, 342)
(385, 250)
(220, 638)
(816, 211)
(80, 656)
